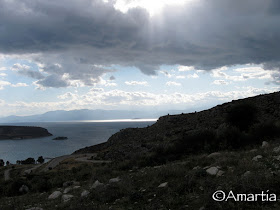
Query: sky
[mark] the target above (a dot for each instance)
(147, 55)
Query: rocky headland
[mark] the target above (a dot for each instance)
(22, 132)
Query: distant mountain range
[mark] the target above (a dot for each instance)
(86, 114)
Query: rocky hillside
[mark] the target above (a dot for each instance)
(239, 121)
(181, 162)
(186, 184)
(22, 132)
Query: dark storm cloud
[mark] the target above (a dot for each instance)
(86, 37)
(25, 71)
(112, 78)
(32, 74)
(53, 81)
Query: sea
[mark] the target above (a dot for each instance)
(80, 134)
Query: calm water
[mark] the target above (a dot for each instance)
(80, 134)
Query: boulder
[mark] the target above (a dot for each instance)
(253, 150)
(220, 173)
(247, 173)
(66, 198)
(76, 183)
(23, 189)
(276, 157)
(212, 171)
(265, 144)
(114, 180)
(67, 184)
(67, 190)
(162, 185)
(214, 154)
(256, 158)
(55, 195)
(85, 193)
(96, 184)
(276, 149)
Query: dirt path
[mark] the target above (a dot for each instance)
(79, 157)
(28, 171)
(55, 161)
(7, 174)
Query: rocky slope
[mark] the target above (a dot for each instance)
(22, 132)
(171, 128)
(137, 178)
(189, 183)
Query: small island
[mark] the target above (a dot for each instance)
(22, 132)
(60, 138)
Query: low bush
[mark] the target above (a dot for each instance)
(264, 130)
(242, 115)
(195, 142)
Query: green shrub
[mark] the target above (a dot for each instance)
(195, 142)
(11, 188)
(242, 115)
(264, 130)
(40, 184)
(233, 138)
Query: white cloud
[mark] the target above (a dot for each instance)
(167, 74)
(138, 98)
(3, 68)
(219, 73)
(3, 84)
(67, 95)
(3, 74)
(20, 84)
(18, 67)
(106, 83)
(180, 77)
(245, 73)
(194, 76)
(96, 90)
(143, 83)
(111, 84)
(124, 99)
(2, 102)
(220, 82)
(6, 83)
(186, 68)
(170, 83)
(153, 7)
(255, 73)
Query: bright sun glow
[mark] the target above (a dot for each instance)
(152, 6)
